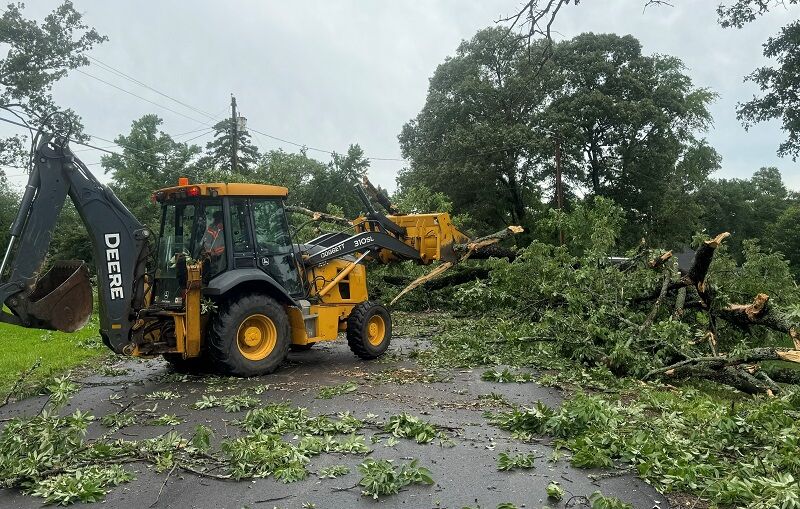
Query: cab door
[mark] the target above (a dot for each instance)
(275, 253)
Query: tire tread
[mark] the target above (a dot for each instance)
(356, 324)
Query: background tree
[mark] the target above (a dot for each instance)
(8, 208)
(747, 208)
(291, 170)
(314, 184)
(626, 123)
(475, 138)
(335, 185)
(536, 18)
(219, 150)
(779, 84)
(39, 54)
(782, 236)
(629, 124)
(150, 160)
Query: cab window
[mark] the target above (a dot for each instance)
(274, 244)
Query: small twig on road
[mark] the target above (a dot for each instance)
(206, 474)
(25, 374)
(174, 466)
(274, 499)
(336, 488)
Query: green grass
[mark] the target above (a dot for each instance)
(59, 351)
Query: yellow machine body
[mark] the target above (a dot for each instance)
(339, 285)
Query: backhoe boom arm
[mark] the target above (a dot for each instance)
(57, 300)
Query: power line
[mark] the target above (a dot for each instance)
(83, 143)
(134, 80)
(202, 112)
(142, 98)
(198, 136)
(166, 142)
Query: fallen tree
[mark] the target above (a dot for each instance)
(740, 369)
(640, 316)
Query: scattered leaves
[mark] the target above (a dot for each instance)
(337, 390)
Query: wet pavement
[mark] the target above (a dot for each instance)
(465, 473)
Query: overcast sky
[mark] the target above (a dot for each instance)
(329, 73)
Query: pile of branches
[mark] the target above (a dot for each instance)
(640, 316)
(643, 316)
(693, 291)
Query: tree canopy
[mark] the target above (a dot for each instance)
(779, 83)
(626, 123)
(39, 54)
(219, 150)
(150, 160)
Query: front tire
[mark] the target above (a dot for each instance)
(250, 336)
(369, 330)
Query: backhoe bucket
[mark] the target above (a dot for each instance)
(61, 299)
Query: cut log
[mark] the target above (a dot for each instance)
(468, 250)
(422, 280)
(782, 374)
(729, 370)
(486, 252)
(702, 261)
(486, 247)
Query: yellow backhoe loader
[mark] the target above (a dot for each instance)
(222, 282)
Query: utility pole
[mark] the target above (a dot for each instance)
(559, 188)
(235, 135)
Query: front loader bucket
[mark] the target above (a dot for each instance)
(61, 299)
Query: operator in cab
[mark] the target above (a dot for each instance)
(212, 245)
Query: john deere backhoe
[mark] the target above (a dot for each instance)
(222, 282)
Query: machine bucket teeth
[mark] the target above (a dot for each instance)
(60, 300)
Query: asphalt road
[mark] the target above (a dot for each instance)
(465, 475)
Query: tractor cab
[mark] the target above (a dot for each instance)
(225, 228)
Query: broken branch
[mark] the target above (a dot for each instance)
(760, 312)
(380, 197)
(466, 251)
(319, 216)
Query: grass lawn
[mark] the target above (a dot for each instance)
(20, 347)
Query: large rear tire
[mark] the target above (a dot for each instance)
(369, 330)
(250, 336)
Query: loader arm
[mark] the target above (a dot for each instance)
(424, 238)
(61, 299)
